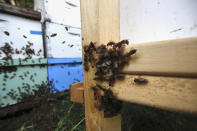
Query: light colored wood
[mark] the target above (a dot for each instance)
(77, 92)
(100, 24)
(170, 57)
(172, 93)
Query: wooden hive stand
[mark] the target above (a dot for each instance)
(169, 66)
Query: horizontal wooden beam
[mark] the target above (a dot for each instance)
(172, 93)
(18, 11)
(171, 57)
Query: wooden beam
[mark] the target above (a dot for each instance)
(77, 92)
(170, 57)
(18, 11)
(100, 24)
(172, 93)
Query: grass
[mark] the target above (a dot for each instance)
(56, 115)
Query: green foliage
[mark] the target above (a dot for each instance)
(54, 115)
(29, 4)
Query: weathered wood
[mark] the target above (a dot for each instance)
(77, 92)
(18, 11)
(170, 57)
(100, 24)
(172, 93)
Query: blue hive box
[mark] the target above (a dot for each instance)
(64, 71)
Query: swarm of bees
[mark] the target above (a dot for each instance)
(109, 60)
(7, 50)
(107, 101)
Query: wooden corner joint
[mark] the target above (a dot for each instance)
(77, 92)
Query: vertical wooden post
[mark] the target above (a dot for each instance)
(100, 24)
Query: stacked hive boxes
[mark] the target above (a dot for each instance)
(21, 42)
(63, 43)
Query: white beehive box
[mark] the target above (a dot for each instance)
(21, 32)
(63, 41)
(65, 12)
(156, 20)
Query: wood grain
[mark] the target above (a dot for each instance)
(171, 58)
(27, 13)
(77, 92)
(172, 93)
(100, 24)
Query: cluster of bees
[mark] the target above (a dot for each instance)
(26, 93)
(8, 50)
(109, 60)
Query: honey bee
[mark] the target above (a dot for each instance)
(140, 80)
(6, 33)
(24, 36)
(54, 34)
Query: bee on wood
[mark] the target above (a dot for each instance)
(99, 78)
(111, 43)
(131, 52)
(30, 43)
(54, 34)
(31, 77)
(17, 51)
(121, 43)
(66, 28)
(40, 51)
(140, 80)
(99, 107)
(107, 102)
(100, 87)
(12, 77)
(6, 33)
(5, 76)
(85, 66)
(5, 97)
(92, 45)
(95, 90)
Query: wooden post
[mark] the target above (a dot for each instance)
(100, 24)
